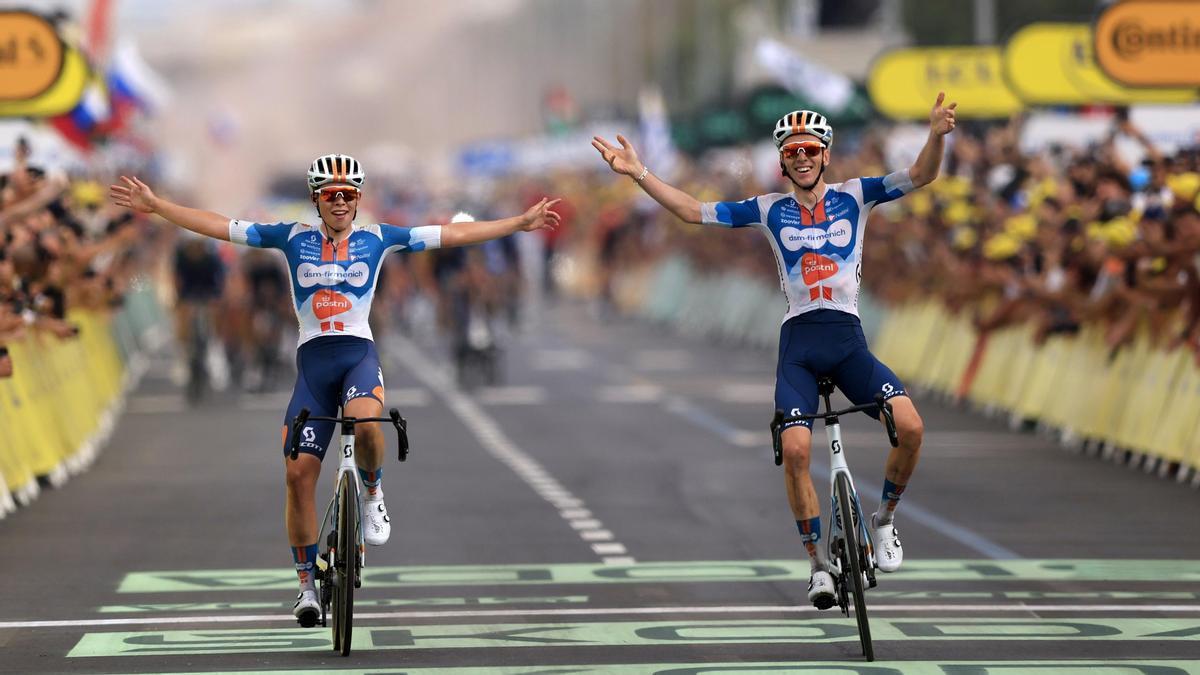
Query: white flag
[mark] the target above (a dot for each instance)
(827, 89)
(658, 150)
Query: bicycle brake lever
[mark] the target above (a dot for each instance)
(298, 424)
(777, 437)
(889, 421)
(401, 433)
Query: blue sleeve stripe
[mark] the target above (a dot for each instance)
(254, 237)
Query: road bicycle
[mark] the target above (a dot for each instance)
(339, 566)
(851, 549)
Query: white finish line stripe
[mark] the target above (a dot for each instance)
(941, 610)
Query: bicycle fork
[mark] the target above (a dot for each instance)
(838, 466)
(346, 465)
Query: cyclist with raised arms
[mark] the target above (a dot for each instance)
(816, 232)
(334, 266)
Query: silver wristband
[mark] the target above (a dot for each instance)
(645, 170)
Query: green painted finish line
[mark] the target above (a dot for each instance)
(484, 601)
(1176, 571)
(1146, 667)
(488, 601)
(630, 633)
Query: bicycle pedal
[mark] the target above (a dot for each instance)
(824, 602)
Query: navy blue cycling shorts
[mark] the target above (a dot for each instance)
(330, 371)
(828, 343)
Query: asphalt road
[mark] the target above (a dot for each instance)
(612, 507)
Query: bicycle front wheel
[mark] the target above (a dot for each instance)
(852, 561)
(345, 568)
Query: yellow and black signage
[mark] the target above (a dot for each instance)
(39, 75)
(1053, 64)
(1150, 43)
(904, 83)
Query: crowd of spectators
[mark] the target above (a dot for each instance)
(1059, 238)
(62, 248)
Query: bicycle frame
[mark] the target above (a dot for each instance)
(347, 465)
(838, 465)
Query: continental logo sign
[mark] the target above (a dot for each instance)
(904, 83)
(39, 75)
(1150, 43)
(1053, 64)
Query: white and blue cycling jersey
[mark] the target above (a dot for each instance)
(333, 286)
(819, 252)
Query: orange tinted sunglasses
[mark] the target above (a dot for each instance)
(792, 150)
(330, 194)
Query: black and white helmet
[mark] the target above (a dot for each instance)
(803, 122)
(335, 170)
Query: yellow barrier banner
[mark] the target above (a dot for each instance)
(1141, 398)
(1053, 64)
(53, 404)
(904, 83)
(1150, 43)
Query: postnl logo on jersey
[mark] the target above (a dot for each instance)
(817, 268)
(327, 303)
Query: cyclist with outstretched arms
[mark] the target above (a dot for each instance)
(334, 266)
(816, 232)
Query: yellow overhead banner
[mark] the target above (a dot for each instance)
(1053, 64)
(1150, 43)
(39, 75)
(904, 83)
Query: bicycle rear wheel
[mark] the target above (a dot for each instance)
(345, 567)
(852, 561)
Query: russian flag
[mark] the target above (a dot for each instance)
(81, 124)
(132, 87)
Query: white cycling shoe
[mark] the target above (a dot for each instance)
(307, 610)
(820, 589)
(377, 526)
(888, 552)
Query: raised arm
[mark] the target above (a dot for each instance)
(929, 162)
(624, 160)
(538, 217)
(136, 195)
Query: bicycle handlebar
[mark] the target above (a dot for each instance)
(884, 408)
(348, 423)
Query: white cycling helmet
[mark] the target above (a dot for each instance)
(803, 122)
(335, 170)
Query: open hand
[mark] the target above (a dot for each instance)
(134, 194)
(540, 217)
(941, 118)
(621, 160)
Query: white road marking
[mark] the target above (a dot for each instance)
(490, 435)
(609, 548)
(634, 393)
(511, 395)
(596, 535)
(935, 610)
(560, 359)
(743, 392)
(662, 359)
